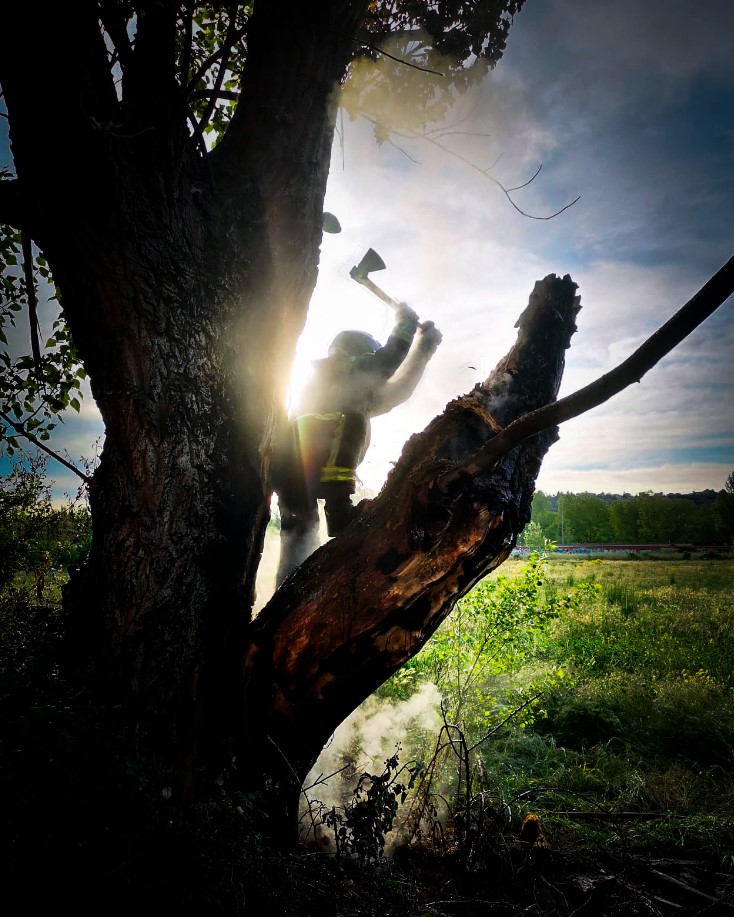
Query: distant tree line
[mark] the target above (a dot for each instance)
(706, 517)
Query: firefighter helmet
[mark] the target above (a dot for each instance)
(353, 344)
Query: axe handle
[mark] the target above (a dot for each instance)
(380, 294)
(373, 288)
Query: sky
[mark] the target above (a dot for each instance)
(631, 107)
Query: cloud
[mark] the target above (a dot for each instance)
(617, 102)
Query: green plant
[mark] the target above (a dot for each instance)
(360, 827)
(35, 536)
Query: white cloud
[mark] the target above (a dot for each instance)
(591, 90)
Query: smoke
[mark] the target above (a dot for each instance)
(365, 740)
(265, 584)
(500, 385)
(299, 550)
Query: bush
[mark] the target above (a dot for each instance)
(35, 536)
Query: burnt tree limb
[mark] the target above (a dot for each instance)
(367, 601)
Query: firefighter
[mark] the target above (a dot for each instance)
(325, 443)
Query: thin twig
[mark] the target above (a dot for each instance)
(404, 152)
(532, 179)
(413, 135)
(399, 60)
(21, 431)
(509, 716)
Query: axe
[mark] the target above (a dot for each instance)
(369, 263)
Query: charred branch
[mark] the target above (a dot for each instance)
(703, 304)
(334, 632)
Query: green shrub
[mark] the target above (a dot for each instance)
(35, 536)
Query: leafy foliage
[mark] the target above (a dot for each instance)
(35, 391)
(212, 49)
(465, 30)
(488, 637)
(431, 53)
(35, 536)
(361, 826)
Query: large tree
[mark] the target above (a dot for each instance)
(184, 274)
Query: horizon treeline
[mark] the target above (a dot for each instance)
(703, 517)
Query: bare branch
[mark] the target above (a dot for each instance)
(496, 161)
(404, 152)
(21, 431)
(703, 304)
(399, 60)
(531, 179)
(198, 134)
(411, 135)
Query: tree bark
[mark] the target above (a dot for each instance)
(186, 283)
(368, 600)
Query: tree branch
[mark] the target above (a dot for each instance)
(703, 304)
(12, 204)
(225, 48)
(334, 631)
(21, 431)
(30, 286)
(188, 14)
(229, 42)
(398, 60)
(115, 24)
(150, 90)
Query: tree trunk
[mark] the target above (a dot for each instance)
(186, 282)
(368, 600)
(185, 279)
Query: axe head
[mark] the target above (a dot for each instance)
(370, 262)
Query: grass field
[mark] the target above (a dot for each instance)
(622, 673)
(595, 693)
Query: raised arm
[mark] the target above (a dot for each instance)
(389, 357)
(401, 386)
